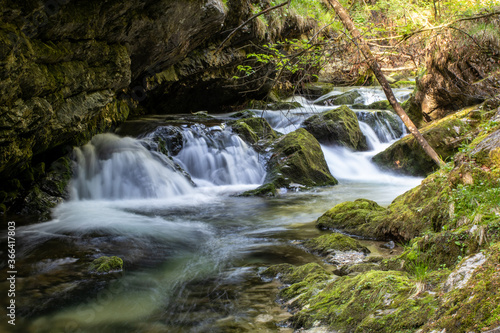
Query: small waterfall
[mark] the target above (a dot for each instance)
(215, 156)
(385, 124)
(110, 167)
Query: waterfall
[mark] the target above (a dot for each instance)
(216, 156)
(110, 167)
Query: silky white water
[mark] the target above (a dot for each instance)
(192, 249)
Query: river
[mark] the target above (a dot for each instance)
(193, 250)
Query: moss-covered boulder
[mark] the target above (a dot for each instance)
(414, 110)
(297, 161)
(487, 151)
(445, 136)
(342, 99)
(354, 217)
(317, 89)
(379, 105)
(273, 106)
(334, 242)
(374, 301)
(339, 126)
(106, 264)
(473, 303)
(253, 129)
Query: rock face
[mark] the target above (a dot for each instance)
(339, 126)
(296, 162)
(77, 70)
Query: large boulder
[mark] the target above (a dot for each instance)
(297, 162)
(446, 136)
(339, 126)
(342, 99)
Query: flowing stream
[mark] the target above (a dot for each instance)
(192, 248)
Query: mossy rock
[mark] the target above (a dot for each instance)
(414, 111)
(374, 301)
(334, 242)
(317, 89)
(303, 281)
(296, 158)
(244, 114)
(252, 130)
(403, 84)
(339, 126)
(354, 217)
(379, 105)
(487, 151)
(106, 264)
(446, 136)
(476, 306)
(342, 99)
(275, 106)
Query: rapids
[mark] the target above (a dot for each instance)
(192, 248)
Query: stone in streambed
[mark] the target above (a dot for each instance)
(296, 158)
(339, 126)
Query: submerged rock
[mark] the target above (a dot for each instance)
(339, 126)
(296, 159)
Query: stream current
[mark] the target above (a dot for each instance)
(192, 248)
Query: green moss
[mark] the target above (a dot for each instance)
(353, 217)
(379, 105)
(342, 99)
(445, 136)
(339, 126)
(403, 84)
(106, 264)
(253, 129)
(297, 159)
(476, 307)
(414, 110)
(375, 301)
(334, 242)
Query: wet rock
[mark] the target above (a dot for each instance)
(296, 159)
(342, 99)
(339, 126)
(252, 130)
(389, 245)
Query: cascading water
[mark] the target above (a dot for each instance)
(215, 156)
(110, 167)
(192, 254)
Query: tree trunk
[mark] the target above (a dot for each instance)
(372, 62)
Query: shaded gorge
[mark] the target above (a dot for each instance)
(167, 202)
